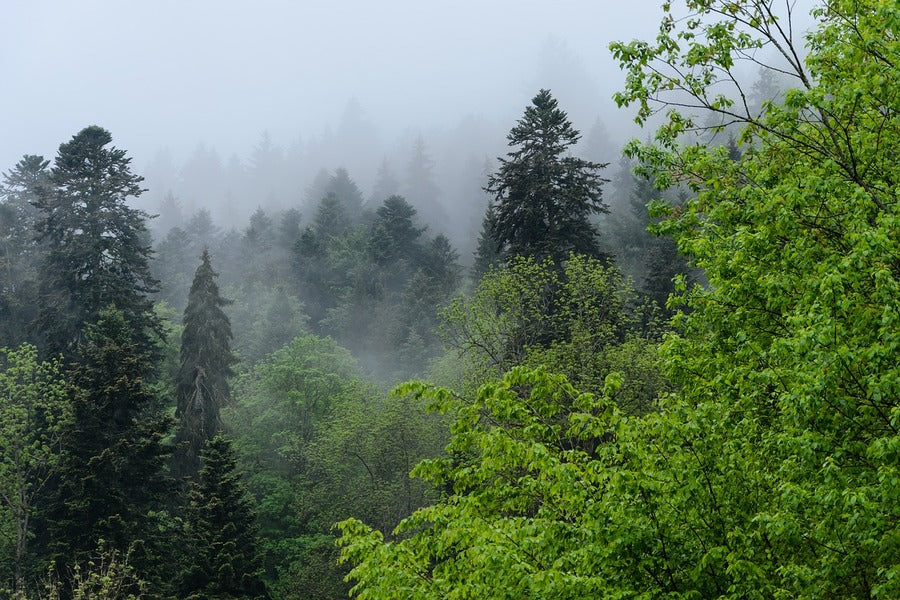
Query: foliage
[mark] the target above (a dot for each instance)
(107, 576)
(110, 475)
(771, 471)
(522, 520)
(34, 411)
(97, 253)
(582, 321)
(202, 386)
(543, 198)
(323, 445)
(797, 334)
(225, 562)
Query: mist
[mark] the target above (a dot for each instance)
(205, 89)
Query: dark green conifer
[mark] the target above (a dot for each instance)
(543, 197)
(487, 254)
(221, 519)
(97, 250)
(206, 364)
(110, 477)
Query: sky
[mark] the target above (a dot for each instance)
(174, 73)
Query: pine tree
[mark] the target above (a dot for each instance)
(543, 197)
(97, 250)
(206, 364)
(110, 474)
(222, 528)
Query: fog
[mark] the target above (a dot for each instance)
(235, 105)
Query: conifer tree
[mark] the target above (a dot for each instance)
(222, 529)
(543, 197)
(206, 364)
(486, 253)
(20, 253)
(97, 251)
(110, 474)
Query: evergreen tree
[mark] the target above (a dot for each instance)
(257, 249)
(386, 184)
(97, 253)
(331, 218)
(206, 364)
(394, 233)
(487, 254)
(226, 563)
(543, 197)
(19, 251)
(421, 191)
(346, 190)
(110, 473)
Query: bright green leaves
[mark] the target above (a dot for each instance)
(772, 471)
(514, 522)
(34, 411)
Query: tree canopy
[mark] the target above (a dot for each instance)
(97, 251)
(544, 197)
(771, 470)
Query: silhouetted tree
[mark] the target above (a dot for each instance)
(543, 197)
(386, 184)
(421, 191)
(20, 253)
(341, 185)
(487, 253)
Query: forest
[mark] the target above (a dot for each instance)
(673, 374)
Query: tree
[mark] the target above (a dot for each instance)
(771, 470)
(346, 190)
(20, 253)
(486, 253)
(34, 411)
(394, 235)
(206, 365)
(110, 475)
(225, 560)
(543, 198)
(421, 191)
(97, 252)
(386, 184)
(517, 519)
(583, 322)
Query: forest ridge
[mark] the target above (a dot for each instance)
(675, 376)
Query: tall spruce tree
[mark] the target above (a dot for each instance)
(97, 250)
(110, 476)
(206, 364)
(543, 197)
(221, 522)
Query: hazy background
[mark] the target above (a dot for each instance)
(234, 105)
(171, 74)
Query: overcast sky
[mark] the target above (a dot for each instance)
(172, 73)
